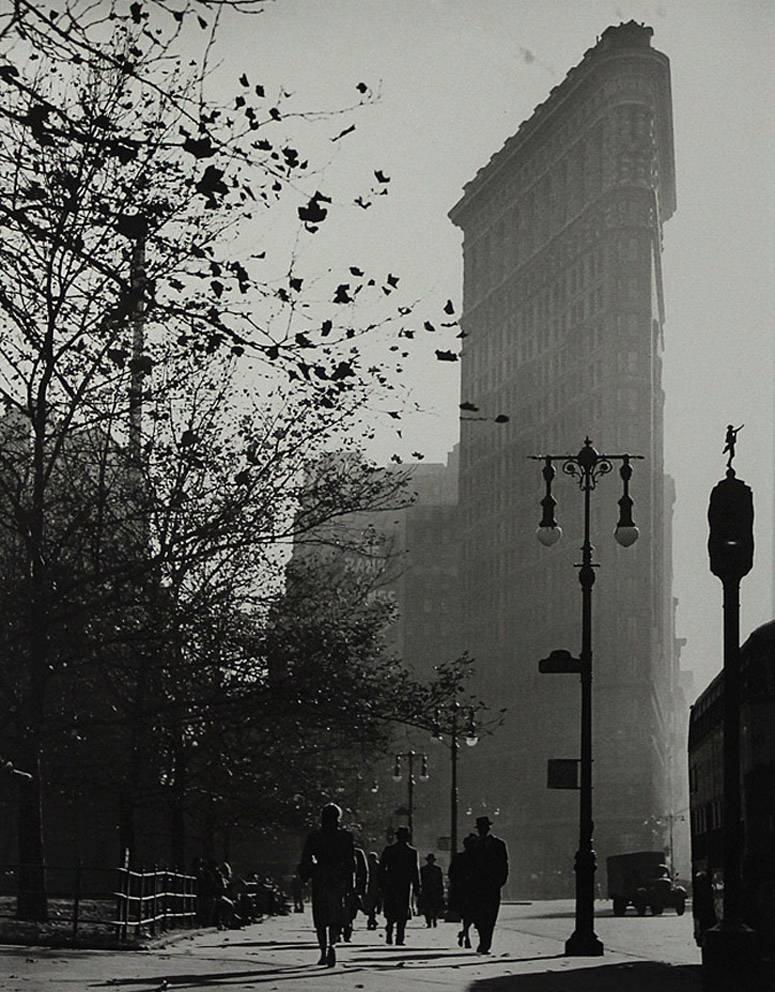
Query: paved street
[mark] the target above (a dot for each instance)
(650, 954)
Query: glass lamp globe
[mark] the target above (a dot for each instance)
(549, 535)
(472, 740)
(626, 536)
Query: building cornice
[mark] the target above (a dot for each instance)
(623, 43)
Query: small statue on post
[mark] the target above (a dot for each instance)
(729, 443)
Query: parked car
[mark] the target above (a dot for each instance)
(642, 880)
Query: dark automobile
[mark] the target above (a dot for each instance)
(641, 879)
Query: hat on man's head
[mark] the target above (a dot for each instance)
(331, 813)
(484, 820)
(402, 832)
(430, 857)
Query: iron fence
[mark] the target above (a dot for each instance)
(89, 904)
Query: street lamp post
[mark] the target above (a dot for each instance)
(731, 947)
(397, 775)
(586, 467)
(471, 739)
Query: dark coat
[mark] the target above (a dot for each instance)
(490, 863)
(460, 874)
(432, 885)
(328, 859)
(399, 874)
(356, 896)
(372, 900)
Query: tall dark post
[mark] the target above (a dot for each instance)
(410, 756)
(731, 947)
(137, 317)
(410, 815)
(452, 728)
(584, 940)
(587, 466)
(453, 795)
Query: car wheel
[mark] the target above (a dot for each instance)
(657, 910)
(620, 907)
(680, 907)
(640, 908)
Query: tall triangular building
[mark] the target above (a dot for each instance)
(563, 315)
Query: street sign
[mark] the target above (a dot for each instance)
(562, 773)
(560, 661)
(443, 843)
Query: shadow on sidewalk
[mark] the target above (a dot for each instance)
(276, 944)
(641, 976)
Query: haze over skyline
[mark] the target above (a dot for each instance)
(454, 80)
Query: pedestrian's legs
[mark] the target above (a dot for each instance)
(400, 929)
(321, 935)
(428, 919)
(488, 914)
(333, 936)
(389, 932)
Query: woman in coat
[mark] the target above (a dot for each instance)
(328, 859)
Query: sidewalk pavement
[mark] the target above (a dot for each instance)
(280, 954)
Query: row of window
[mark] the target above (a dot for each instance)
(710, 816)
(539, 213)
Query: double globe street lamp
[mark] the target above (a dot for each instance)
(448, 722)
(410, 757)
(586, 468)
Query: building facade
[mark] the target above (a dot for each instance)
(563, 315)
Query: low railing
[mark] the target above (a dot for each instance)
(96, 906)
(152, 900)
(102, 907)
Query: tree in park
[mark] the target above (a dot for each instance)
(124, 308)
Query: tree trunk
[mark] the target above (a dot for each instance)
(126, 824)
(31, 898)
(178, 809)
(178, 833)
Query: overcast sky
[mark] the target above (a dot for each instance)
(455, 78)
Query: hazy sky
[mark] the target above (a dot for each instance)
(455, 78)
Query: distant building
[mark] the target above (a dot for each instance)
(413, 552)
(563, 312)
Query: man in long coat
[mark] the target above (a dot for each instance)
(372, 900)
(399, 876)
(329, 860)
(490, 871)
(431, 905)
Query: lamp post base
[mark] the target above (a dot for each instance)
(729, 950)
(584, 945)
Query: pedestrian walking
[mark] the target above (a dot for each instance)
(399, 877)
(460, 900)
(431, 901)
(490, 871)
(354, 900)
(372, 899)
(328, 860)
(297, 892)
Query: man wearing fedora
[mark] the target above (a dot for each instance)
(431, 904)
(491, 869)
(399, 876)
